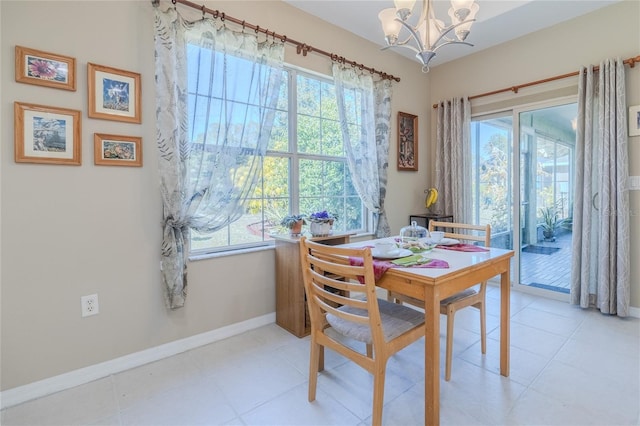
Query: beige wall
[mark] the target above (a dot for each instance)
(609, 33)
(73, 231)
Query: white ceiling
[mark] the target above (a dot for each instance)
(497, 21)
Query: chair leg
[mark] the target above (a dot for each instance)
(483, 328)
(378, 392)
(450, 317)
(314, 364)
(321, 359)
(392, 298)
(370, 350)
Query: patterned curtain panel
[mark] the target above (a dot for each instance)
(600, 266)
(216, 94)
(382, 92)
(453, 158)
(366, 154)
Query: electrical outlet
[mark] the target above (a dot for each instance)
(89, 305)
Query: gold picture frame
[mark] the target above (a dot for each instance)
(47, 135)
(117, 150)
(407, 141)
(45, 69)
(114, 94)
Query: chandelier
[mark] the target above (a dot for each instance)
(429, 34)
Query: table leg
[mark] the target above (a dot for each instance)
(432, 358)
(505, 289)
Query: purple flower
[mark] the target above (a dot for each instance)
(323, 216)
(320, 215)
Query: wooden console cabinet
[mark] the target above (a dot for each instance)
(291, 305)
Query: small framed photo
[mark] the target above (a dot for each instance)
(44, 134)
(407, 141)
(634, 120)
(114, 94)
(45, 69)
(115, 150)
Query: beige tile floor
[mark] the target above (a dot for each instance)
(568, 367)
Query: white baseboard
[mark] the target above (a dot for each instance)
(81, 376)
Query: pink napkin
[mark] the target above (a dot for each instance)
(381, 266)
(463, 247)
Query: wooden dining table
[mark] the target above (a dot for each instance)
(435, 284)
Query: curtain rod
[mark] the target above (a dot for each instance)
(631, 62)
(300, 47)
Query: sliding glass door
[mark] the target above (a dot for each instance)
(492, 181)
(547, 158)
(525, 158)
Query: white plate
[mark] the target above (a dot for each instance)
(393, 254)
(443, 242)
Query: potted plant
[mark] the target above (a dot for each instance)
(321, 223)
(293, 223)
(549, 223)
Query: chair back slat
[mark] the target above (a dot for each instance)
(355, 318)
(338, 299)
(332, 282)
(463, 231)
(337, 283)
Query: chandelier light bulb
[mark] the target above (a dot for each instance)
(390, 25)
(404, 8)
(464, 28)
(461, 4)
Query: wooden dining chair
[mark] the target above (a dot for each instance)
(342, 297)
(474, 297)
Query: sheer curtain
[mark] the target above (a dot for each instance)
(364, 108)
(216, 93)
(382, 108)
(453, 158)
(600, 266)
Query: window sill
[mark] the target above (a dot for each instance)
(214, 255)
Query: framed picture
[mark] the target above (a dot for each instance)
(44, 134)
(634, 120)
(114, 94)
(45, 69)
(407, 141)
(114, 150)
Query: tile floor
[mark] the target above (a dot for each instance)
(568, 367)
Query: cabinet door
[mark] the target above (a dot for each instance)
(291, 305)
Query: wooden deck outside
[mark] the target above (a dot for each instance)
(551, 271)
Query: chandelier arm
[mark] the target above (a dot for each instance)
(401, 45)
(408, 39)
(446, 31)
(413, 32)
(451, 42)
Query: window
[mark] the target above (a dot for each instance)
(304, 170)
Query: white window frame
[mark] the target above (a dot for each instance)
(294, 162)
